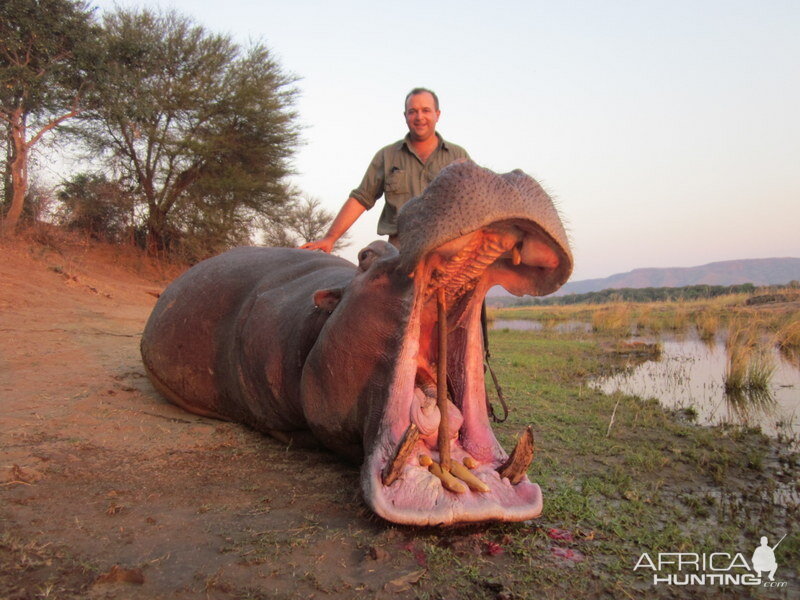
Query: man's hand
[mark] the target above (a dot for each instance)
(325, 244)
(348, 214)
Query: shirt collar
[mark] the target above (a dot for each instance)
(442, 144)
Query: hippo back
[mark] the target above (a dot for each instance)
(228, 338)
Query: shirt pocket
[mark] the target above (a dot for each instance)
(397, 188)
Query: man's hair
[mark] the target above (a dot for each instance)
(422, 90)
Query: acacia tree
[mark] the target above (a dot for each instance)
(197, 127)
(301, 220)
(46, 58)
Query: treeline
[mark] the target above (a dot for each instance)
(650, 294)
(186, 138)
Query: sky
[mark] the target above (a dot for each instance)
(667, 132)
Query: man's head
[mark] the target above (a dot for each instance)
(421, 113)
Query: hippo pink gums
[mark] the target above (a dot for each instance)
(381, 363)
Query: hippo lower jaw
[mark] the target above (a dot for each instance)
(464, 269)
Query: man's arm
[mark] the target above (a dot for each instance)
(348, 214)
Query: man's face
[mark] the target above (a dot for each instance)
(421, 116)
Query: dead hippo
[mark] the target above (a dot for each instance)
(292, 341)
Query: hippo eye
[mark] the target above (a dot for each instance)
(363, 256)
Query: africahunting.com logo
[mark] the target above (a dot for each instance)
(715, 568)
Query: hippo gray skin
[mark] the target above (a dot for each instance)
(291, 341)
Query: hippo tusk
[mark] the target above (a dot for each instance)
(448, 481)
(517, 464)
(470, 462)
(393, 468)
(465, 475)
(458, 470)
(441, 383)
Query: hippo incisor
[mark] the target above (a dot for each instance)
(293, 341)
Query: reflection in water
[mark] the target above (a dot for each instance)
(748, 405)
(517, 324)
(690, 375)
(532, 325)
(791, 355)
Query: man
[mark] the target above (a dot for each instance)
(400, 171)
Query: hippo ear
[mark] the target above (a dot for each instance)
(327, 300)
(376, 250)
(365, 258)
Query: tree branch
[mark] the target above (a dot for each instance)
(53, 124)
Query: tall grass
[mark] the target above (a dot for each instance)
(750, 366)
(678, 318)
(616, 319)
(760, 371)
(788, 336)
(707, 324)
(787, 339)
(708, 316)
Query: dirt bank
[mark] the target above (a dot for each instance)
(109, 492)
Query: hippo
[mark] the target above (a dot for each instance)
(382, 362)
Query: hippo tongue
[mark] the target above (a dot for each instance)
(425, 414)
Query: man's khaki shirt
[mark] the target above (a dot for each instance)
(398, 173)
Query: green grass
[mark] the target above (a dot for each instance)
(653, 484)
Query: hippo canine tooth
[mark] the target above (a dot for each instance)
(394, 467)
(517, 464)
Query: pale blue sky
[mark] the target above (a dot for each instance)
(669, 132)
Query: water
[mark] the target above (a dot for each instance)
(689, 374)
(531, 325)
(517, 324)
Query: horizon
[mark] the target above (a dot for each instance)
(599, 284)
(714, 262)
(665, 133)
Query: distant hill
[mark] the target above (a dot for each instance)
(758, 271)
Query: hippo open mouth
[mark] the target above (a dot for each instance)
(383, 362)
(436, 460)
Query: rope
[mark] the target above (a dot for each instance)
(486, 365)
